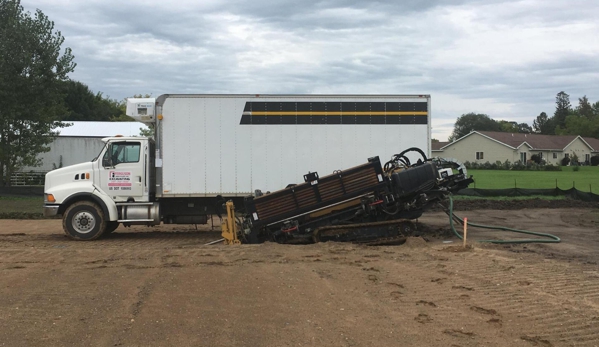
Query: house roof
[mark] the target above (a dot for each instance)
(102, 129)
(436, 146)
(533, 141)
(594, 143)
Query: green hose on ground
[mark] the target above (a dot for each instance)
(552, 238)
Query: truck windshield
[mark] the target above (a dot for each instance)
(98, 156)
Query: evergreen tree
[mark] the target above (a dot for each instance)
(562, 109)
(584, 108)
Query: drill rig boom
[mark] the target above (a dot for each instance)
(367, 193)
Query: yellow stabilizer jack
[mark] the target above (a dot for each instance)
(229, 227)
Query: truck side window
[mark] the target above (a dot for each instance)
(124, 152)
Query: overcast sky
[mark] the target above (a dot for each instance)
(507, 59)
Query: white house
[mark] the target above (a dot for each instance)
(483, 146)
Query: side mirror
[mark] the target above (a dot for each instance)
(107, 159)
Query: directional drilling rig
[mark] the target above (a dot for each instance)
(208, 150)
(368, 203)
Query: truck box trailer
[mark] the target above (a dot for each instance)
(231, 145)
(211, 148)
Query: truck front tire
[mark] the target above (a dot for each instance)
(84, 221)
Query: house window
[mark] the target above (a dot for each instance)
(567, 155)
(587, 158)
(541, 155)
(479, 156)
(554, 155)
(523, 157)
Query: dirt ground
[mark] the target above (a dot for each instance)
(163, 287)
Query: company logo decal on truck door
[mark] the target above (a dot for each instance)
(334, 113)
(119, 180)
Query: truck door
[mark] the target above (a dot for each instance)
(122, 169)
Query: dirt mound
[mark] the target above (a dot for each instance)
(458, 248)
(415, 242)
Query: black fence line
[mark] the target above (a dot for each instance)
(571, 193)
(22, 191)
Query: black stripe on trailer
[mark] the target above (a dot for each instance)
(289, 113)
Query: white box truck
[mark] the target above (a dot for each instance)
(213, 147)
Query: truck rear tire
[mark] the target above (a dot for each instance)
(84, 221)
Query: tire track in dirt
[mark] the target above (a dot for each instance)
(503, 293)
(553, 287)
(461, 298)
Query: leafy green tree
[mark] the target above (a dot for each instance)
(508, 127)
(578, 125)
(149, 132)
(562, 109)
(32, 69)
(543, 124)
(515, 127)
(524, 128)
(85, 105)
(595, 107)
(469, 122)
(582, 121)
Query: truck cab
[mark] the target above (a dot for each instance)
(118, 186)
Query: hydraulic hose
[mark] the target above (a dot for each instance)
(549, 237)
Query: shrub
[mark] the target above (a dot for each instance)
(518, 166)
(576, 168)
(565, 161)
(536, 158)
(552, 167)
(574, 159)
(595, 160)
(534, 167)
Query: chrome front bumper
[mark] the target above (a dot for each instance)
(50, 210)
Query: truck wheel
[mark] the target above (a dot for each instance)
(84, 220)
(110, 227)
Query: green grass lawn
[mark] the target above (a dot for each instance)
(19, 207)
(502, 198)
(587, 179)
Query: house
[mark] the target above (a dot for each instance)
(491, 146)
(81, 142)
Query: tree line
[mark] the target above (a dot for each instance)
(581, 120)
(37, 97)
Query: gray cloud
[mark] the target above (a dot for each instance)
(504, 58)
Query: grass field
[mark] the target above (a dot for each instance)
(587, 179)
(503, 198)
(19, 207)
